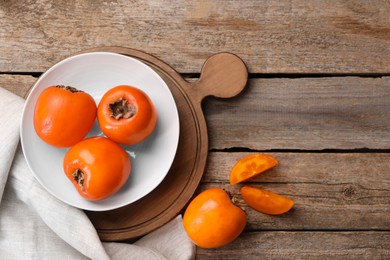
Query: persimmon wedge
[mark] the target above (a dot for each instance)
(265, 201)
(250, 166)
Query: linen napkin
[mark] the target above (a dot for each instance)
(36, 225)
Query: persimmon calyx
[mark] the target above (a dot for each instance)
(234, 199)
(69, 88)
(121, 108)
(78, 176)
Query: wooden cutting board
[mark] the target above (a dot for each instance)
(223, 75)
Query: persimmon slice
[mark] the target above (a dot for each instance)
(250, 166)
(265, 201)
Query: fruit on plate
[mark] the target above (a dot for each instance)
(97, 167)
(63, 115)
(250, 166)
(265, 201)
(212, 220)
(126, 115)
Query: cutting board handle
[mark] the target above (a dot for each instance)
(223, 75)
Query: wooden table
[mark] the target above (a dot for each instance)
(318, 99)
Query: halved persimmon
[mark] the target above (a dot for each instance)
(265, 201)
(250, 166)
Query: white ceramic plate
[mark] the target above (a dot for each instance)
(95, 73)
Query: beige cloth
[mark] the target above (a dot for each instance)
(36, 225)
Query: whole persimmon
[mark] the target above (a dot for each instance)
(97, 167)
(126, 115)
(212, 220)
(63, 115)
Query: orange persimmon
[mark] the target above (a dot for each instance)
(63, 115)
(250, 166)
(126, 115)
(212, 220)
(265, 201)
(97, 167)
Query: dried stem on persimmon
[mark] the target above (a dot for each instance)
(121, 108)
(234, 199)
(78, 176)
(69, 88)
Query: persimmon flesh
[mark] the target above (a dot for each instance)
(265, 201)
(250, 166)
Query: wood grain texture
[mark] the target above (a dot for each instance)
(283, 113)
(304, 245)
(227, 75)
(294, 36)
(18, 84)
(335, 192)
(332, 191)
(303, 113)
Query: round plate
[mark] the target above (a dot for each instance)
(95, 73)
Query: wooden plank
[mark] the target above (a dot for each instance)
(303, 113)
(18, 84)
(283, 113)
(272, 37)
(332, 191)
(303, 245)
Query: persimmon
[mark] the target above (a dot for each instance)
(265, 201)
(97, 167)
(212, 220)
(63, 115)
(250, 166)
(126, 115)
